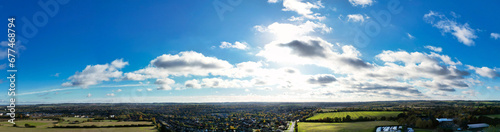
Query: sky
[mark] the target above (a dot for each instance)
(252, 51)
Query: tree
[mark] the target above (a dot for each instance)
(347, 118)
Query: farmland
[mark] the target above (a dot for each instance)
(367, 126)
(494, 116)
(44, 126)
(356, 114)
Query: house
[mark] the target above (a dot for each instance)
(477, 127)
(444, 119)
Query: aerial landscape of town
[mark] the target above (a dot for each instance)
(404, 116)
(249, 66)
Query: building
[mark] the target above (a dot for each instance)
(477, 127)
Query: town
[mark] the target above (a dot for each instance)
(243, 117)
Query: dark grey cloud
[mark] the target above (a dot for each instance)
(306, 49)
(322, 79)
(289, 70)
(355, 62)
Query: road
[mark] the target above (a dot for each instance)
(291, 127)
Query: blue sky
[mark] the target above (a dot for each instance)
(260, 50)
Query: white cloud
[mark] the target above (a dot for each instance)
(462, 32)
(293, 18)
(485, 71)
(55, 75)
(165, 83)
(302, 8)
(89, 95)
(424, 70)
(185, 63)
(495, 36)
(494, 87)
(356, 18)
(119, 90)
(192, 84)
(272, 1)
(5, 44)
(470, 92)
(139, 90)
(236, 45)
(410, 36)
(436, 49)
(95, 74)
(148, 89)
(110, 94)
(286, 31)
(247, 90)
(310, 50)
(362, 3)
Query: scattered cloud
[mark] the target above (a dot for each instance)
(494, 87)
(485, 71)
(410, 36)
(495, 35)
(164, 84)
(316, 51)
(435, 49)
(356, 18)
(185, 63)
(110, 94)
(322, 79)
(192, 84)
(95, 74)
(462, 32)
(286, 31)
(56, 75)
(236, 45)
(89, 95)
(362, 3)
(302, 8)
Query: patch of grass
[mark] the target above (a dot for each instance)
(107, 123)
(125, 129)
(494, 116)
(76, 119)
(423, 130)
(356, 114)
(367, 126)
(33, 123)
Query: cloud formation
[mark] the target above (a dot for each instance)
(356, 18)
(463, 32)
(436, 49)
(236, 45)
(485, 71)
(495, 35)
(302, 8)
(95, 74)
(362, 3)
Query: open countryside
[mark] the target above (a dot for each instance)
(367, 126)
(356, 114)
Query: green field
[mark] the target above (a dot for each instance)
(127, 129)
(356, 114)
(423, 130)
(76, 119)
(367, 126)
(494, 116)
(44, 126)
